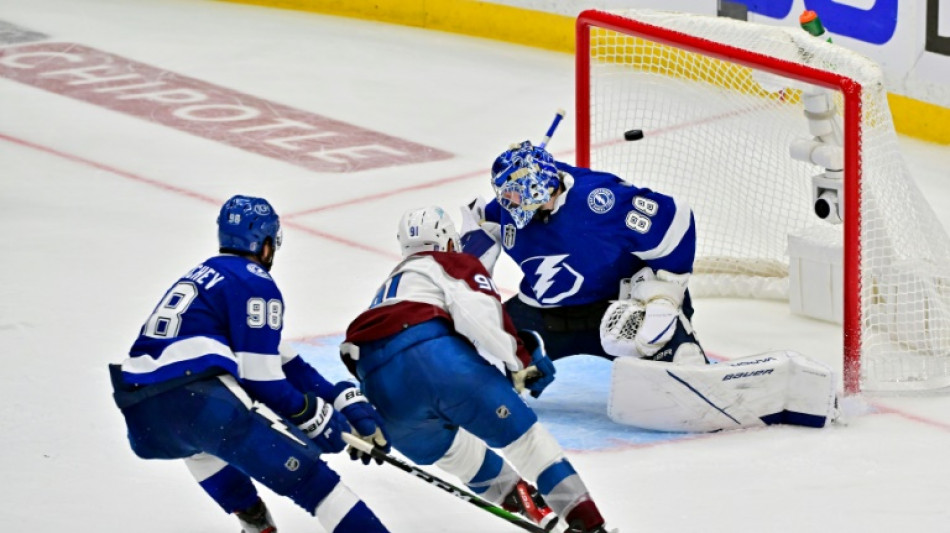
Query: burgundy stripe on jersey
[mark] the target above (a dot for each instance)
(385, 320)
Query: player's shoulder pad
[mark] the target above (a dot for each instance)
(587, 179)
(244, 272)
(457, 265)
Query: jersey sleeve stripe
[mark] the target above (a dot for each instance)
(260, 366)
(187, 349)
(674, 234)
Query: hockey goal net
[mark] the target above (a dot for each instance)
(721, 102)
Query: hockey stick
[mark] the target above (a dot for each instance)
(557, 120)
(463, 495)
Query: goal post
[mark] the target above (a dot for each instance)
(736, 116)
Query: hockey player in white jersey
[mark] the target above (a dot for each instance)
(440, 359)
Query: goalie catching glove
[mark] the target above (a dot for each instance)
(647, 315)
(537, 376)
(366, 422)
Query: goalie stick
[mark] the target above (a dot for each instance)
(461, 494)
(557, 120)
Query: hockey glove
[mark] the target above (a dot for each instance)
(662, 298)
(540, 373)
(366, 422)
(321, 424)
(478, 237)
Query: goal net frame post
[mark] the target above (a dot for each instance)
(848, 87)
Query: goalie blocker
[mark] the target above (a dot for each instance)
(780, 387)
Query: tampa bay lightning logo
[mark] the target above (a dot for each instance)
(553, 279)
(262, 209)
(600, 200)
(256, 269)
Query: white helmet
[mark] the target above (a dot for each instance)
(426, 229)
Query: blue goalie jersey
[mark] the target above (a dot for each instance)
(227, 314)
(601, 231)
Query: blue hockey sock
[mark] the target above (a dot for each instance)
(231, 489)
(360, 520)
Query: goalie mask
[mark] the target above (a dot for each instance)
(427, 229)
(524, 177)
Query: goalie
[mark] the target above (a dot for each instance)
(578, 236)
(589, 245)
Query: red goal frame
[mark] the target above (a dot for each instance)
(851, 91)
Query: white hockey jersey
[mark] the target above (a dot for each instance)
(453, 286)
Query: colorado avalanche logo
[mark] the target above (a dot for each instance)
(553, 279)
(600, 200)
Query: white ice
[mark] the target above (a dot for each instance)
(102, 211)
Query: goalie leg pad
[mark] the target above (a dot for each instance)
(773, 387)
(810, 399)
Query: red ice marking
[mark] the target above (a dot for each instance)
(113, 170)
(210, 111)
(909, 416)
(190, 194)
(382, 195)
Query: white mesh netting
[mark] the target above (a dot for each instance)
(718, 134)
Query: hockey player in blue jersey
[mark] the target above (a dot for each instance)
(205, 382)
(605, 267)
(583, 239)
(443, 364)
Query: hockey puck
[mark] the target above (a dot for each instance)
(633, 135)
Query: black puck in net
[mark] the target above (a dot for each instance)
(633, 135)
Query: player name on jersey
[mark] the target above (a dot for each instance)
(204, 275)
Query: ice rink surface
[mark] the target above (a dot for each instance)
(109, 196)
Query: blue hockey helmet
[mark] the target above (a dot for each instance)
(524, 178)
(245, 222)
